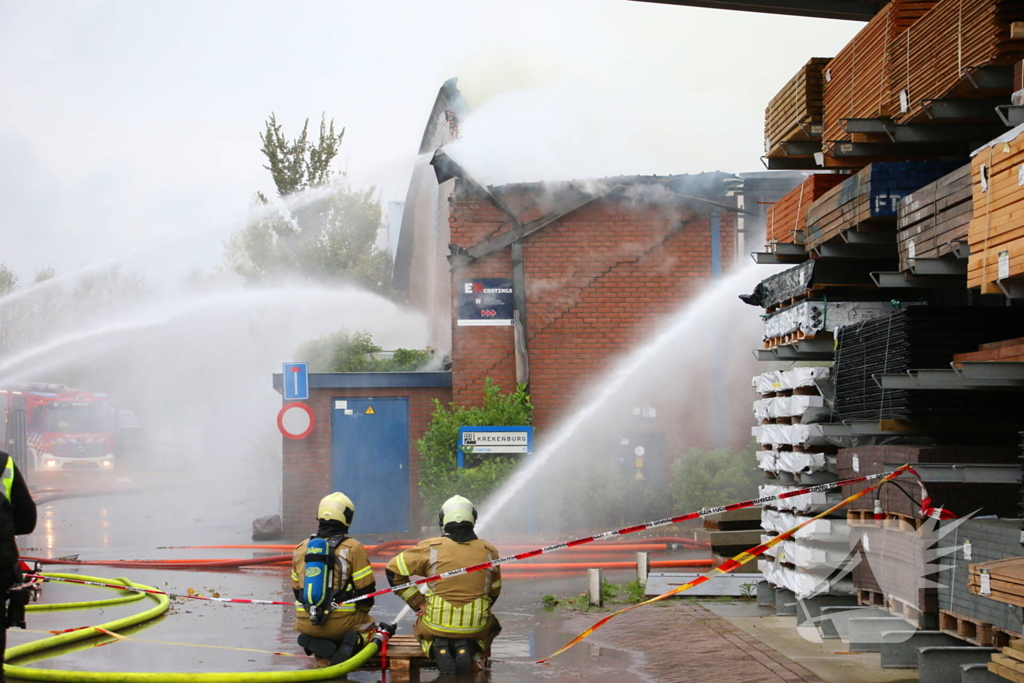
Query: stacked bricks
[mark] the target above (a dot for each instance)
(306, 463)
(598, 282)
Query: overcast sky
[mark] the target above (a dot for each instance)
(125, 124)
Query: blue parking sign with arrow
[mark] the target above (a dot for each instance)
(296, 381)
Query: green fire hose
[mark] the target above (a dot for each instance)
(162, 603)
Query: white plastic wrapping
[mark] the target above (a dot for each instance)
(786, 406)
(824, 530)
(812, 317)
(817, 557)
(804, 585)
(786, 435)
(806, 503)
(787, 380)
(794, 461)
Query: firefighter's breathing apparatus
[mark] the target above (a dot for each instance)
(318, 595)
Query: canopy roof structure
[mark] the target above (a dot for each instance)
(853, 10)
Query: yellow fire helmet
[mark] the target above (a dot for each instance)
(336, 506)
(457, 509)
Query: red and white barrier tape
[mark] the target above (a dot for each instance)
(622, 532)
(519, 556)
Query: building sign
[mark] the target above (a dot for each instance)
(495, 440)
(485, 301)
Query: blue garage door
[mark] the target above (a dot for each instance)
(370, 461)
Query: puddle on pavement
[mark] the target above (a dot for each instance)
(201, 636)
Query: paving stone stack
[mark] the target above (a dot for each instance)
(790, 400)
(976, 541)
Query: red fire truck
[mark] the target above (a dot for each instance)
(64, 429)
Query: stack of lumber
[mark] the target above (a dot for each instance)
(1008, 663)
(1005, 582)
(871, 196)
(795, 113)
(929, 61)
(918, 338)
(961, 499)
(934, 217)
(789, 214)
(1008, 351)
(856, 80)
(996, 233)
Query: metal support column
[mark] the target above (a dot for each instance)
(717, 363)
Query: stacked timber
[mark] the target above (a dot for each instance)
(856, 80)
(795, 113)
(934, 220)
(1001, 580)
(976, 618)
(996, 235)
(789, 400)
(932, 59)
(1007, 351)
(789, 215)
(869, 199)
(1008, 663)
(919, 338)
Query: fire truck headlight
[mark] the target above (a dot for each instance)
(51, 463)
(108, 463)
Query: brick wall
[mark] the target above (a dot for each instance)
(597, 283)
(306, 464)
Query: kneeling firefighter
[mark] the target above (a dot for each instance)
(328, 568)
(455, 625)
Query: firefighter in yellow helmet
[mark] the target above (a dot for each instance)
(455, 625)
(327, 568)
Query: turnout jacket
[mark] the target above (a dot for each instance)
(460, 604)
(350, 563)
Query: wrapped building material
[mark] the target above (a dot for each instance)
(820, 530)
(813, 317)
(803, 584)
(789, 406)
(807, 503)
(795, 462)
(787, 380)
(815, 274)
(807, 556)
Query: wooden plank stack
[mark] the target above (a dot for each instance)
(856, 80)
(996, 235)
(789, 214)
(1008, 351)
(929, 61)
(1009, 662)
(795, 113)
(1005, 582)
(933, 219)
(869, 197)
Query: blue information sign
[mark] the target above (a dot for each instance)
(495, 440)
(295, 379)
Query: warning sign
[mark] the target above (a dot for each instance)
(370, 410)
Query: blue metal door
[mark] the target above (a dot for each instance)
(370, 463)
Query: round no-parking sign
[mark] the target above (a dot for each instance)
(295, 420)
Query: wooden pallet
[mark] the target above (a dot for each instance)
(792, 338)
(974, 631)
(893, 521)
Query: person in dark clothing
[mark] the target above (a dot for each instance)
(17, 517)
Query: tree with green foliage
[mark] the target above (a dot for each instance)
(345, 351)
(8, 280)
(329, 237)
(706, 478)
(482, 474)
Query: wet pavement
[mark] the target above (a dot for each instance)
(673, 642)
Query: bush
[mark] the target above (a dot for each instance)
(707, 478)
(345, 351)
(440, 478)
